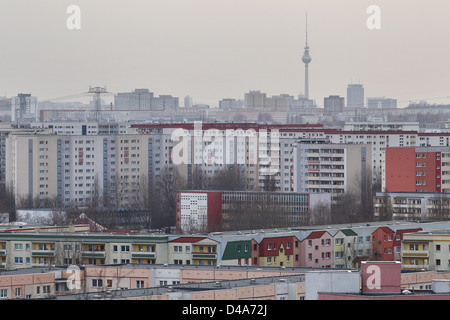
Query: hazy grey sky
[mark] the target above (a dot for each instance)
(214, 49)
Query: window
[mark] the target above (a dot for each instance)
(438, 247)
(139, 284)
(97, 283)
(18, 292)
(125, 248)
(3, 293)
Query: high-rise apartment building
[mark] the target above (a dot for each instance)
(23, 108)
(381, 103)
(254, 100)
(417, 169)
(331, 168)
(333, 105)
(139, 99)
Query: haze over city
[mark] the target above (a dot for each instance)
(212, 50)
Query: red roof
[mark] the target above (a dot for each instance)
(188, 239)
(385, 229)
(316, 234)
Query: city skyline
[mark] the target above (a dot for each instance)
(222, 49)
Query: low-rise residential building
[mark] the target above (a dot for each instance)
(317, 250)
(412, 205)
(426, 251)
(277, 251)
(211, 211)
(345, 248)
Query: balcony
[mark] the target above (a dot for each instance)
(42, 253)
(415, 253)
(93, 254)
(415, 267)
(204, 255)
(143, 254)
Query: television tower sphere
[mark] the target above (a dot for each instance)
(306, 57)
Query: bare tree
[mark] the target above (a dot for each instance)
(440, 207)
(258, 212)
(8, 201)
(385, 212)
(320, 214)
(167, 184)
(231, 177)
(269, 184)
(68, 253)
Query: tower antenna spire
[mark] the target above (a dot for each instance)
(306, 28)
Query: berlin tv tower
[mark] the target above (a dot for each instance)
(306, 60)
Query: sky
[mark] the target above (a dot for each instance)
(215, 49)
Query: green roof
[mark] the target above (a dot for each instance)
(236, 250)
(349, 232)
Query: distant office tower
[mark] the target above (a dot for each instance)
(281, 102)
(254, 100)
(355, 96)
(188, 102)
(381, 103)
(333, 105)
(23, 108)
(165, 102)
(306, 60)
(139, 99)
(228, 104)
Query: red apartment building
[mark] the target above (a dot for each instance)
(413, 169)
(383, 244)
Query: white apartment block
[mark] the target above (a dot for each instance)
(77, 170)
(69, 165)
(330, 168)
